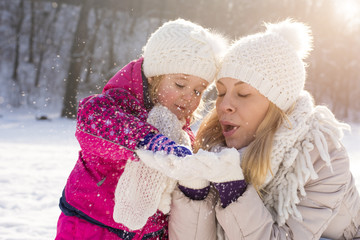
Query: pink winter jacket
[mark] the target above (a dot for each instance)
(109, 127)
(331, 209)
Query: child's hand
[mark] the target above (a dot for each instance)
(158, 142)
(168, 124)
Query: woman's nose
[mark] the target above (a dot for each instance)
(226, 104)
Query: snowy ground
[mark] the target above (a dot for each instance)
(35, 159)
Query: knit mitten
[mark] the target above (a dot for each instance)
(141, 190)
(221, 166)
(195, 194)
(138, 194)
(195, 171)
(196, 188)
(226, 168)
(228, 179)
(230, 191)
(158, 142)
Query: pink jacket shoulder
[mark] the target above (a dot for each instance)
(128, 78)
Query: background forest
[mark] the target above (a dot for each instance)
(52, 53)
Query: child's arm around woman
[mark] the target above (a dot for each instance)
(111, 124)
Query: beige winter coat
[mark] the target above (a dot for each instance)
(331, 209)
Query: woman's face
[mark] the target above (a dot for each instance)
(241, 109)
(180, 93)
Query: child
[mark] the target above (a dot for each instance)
(179, 61)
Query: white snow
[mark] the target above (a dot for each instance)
(36, 158)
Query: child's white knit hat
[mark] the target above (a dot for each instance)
(271, 62)
(184, 47)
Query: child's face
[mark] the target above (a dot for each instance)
(181, 93)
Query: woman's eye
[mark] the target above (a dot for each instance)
(220, 94)
(179, 85)
(243, 95)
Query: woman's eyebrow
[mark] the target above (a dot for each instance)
(238, 83)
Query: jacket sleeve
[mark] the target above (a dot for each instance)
(111, 124)
(192, 219)
(248, 218)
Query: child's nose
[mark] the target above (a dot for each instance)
(188, 95)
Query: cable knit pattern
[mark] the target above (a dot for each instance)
(142, 190)
(183, 47)
(291, 164)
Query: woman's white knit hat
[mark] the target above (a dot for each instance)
(271, 62)
(184, 47)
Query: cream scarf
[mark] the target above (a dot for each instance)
(290, 158)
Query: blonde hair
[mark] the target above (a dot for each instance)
(154, 87)
(153, 92)
(209, 133)
(256, 161)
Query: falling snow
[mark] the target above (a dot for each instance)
(36, 158)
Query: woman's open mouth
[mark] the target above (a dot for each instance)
(228, 128)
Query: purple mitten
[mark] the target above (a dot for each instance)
(195, 194)
(230, 191)
(158, 142)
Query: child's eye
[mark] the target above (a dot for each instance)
(197, 93)
(220, 94)
(179, 85)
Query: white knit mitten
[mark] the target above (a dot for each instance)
(142, 190)
(169, 125)
(138, 194)
(216, 167)
(225, 168)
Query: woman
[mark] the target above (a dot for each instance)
(297, 179)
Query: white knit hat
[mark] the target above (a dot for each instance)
(184, 47)
(271, 62)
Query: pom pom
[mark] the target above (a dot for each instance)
(296, 33)
(213, 41)
(219, 44)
